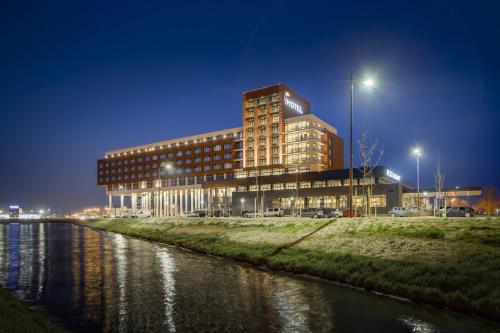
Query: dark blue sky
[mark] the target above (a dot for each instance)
(80, 78)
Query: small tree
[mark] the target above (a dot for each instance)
(369, 155)
(439, 178)
(489, 201)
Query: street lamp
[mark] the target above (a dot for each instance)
(417, 152)
(368, 82)
(166, 166)
(242, 205)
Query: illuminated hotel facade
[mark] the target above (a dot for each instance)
(282, 156)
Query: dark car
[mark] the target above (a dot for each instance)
(460, 212)
(310, 212)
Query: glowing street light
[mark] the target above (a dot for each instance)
(368, 82)
(417, 152)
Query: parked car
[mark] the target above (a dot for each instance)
(354, 213)
(193, 214)
(274, 212)
(440, 211)
(140, 214)
(399, 212)
(332, 212)
(248, 213)
(460, 212)
(310, 212)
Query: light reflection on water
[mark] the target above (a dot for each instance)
(103, 282)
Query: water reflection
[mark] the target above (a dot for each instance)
(103, 282)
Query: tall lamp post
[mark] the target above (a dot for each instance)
(418, 153)
(369, 83)
(167, 166)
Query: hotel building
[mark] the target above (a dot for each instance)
(283, 156)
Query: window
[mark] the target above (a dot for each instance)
(291, 186)
(217, 147)
(250, 123)
(275, 150)
(147, 158)
(333, 183)
(228, 156)
(228, 146)
(262, 141)
(262, 152)
(162, 156)
(188, 170)
(305, 185)
(206, 158)
(216, 157)
(250, 133)
(178, 162)
(278, 186)
(250, 143)
(197, 169)
(155, 157)
(262, 161)
(262, 120)
(197, 150)
(197, 159)
(275, 139)
(319, 184)
(206, 167)
(187, 161)
(207, 149)
(262, 130)
(179, 171)
(125, 162)
(276, 160)
(188, 152)
(250, 163)
(276, 118)
(253, 188)
(250, 113)
(216, 166)
(276, 129)
(170, 155)
(180, 153)
(228, 165)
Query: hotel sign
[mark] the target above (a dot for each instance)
(291, 104)
(392, 175)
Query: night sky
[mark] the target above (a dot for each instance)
(80, 78)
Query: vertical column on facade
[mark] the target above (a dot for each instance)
(110, 202)
(175, 203)
(181, 201)
(133, 202)
(186, 199)
(169, 203)
(122, 198)
(192, 199)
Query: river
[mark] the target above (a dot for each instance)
(96, 281)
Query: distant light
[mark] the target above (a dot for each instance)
(242, 200)
(13, 207)
(425, 193)
(41, 211)
(457, 187)
(417, 152)
(369, 82)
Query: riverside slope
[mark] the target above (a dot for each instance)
(452, 263)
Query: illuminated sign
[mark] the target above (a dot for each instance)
(291, 104)
(392, 175)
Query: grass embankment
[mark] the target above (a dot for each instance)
(450, 262)
(17, 317)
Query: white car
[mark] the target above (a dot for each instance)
(276, 212)
(141, 214)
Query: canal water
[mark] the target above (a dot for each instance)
(95, 281)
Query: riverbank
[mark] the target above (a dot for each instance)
(452, 263)
(17, 317)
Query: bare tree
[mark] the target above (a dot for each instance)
(439, 178)
(369, 155)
